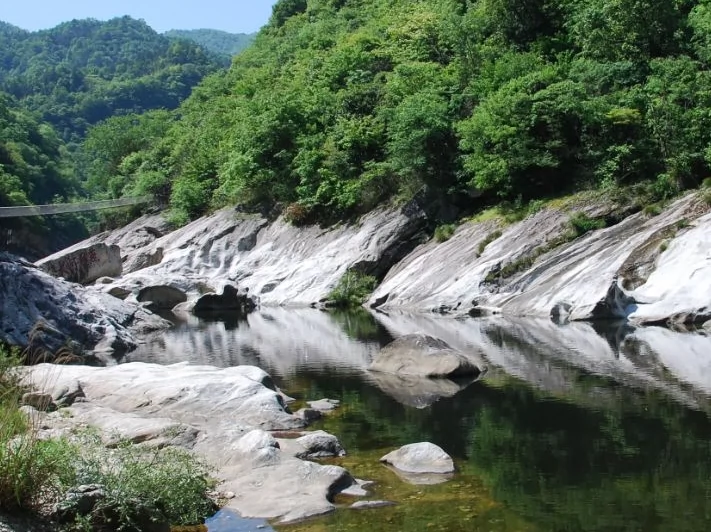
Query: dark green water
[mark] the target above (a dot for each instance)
(573, 428)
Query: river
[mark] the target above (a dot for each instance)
(573, 427)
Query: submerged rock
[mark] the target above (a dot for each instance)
(84, 264)
(425, 356)
(416, 391)
(422, 457)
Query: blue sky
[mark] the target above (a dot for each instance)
(235, 16)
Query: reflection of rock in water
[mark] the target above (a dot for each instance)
(419, 392)
(279, 340)
(555, 358)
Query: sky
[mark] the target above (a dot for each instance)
(235, 16)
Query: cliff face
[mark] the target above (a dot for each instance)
(648, 269)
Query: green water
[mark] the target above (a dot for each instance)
(572, 429)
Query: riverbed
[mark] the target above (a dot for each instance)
(573, 427)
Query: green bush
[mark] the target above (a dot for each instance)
(653, 209)
(581, 223)
(353, 289)
(444, 232)
(167, 484)
(488, 240)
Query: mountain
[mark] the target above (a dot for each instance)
(84, 71)
(218, 42)
(339, 105)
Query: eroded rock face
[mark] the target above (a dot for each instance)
(49, 314)
(84, 264)
(229, 301)
(424, 356)
(221, 414)
(645, 269)
(422, 457)
(277, 263)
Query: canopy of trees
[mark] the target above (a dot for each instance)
(84, 71)
(216, 41)
(340, 104)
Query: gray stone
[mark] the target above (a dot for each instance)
(229, 300)
(222, 415)
(162, 297)
(49, 315)
(84, 264)
(119, 292)
(309, 415)
(324, 405)
(422, 457)
(424, 356)
(319, 444)
(41, 401)
(366, 505)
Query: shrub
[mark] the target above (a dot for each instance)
(167, 485)
(444, 232)
(488, 240)
(353, 289)
(653, 209)
(581, 223)
(706, 196)
(297, 214)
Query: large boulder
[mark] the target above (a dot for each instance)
(47, 314)
(221, 414)
(425, 356)
(161, 297)
(84, 264)
(231, 300)
(422, 457)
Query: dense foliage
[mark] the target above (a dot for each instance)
(340, 104)
(84, 71)
(216, 41)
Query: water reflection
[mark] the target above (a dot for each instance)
(573, 428)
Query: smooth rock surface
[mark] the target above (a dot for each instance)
(220, 414)
(616, 272)
(424, 356)
(161, 297)
(49, 314)
(83, 263)
(421, 457)
(278, 263)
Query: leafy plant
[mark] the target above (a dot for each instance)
(581, 223)
(352, 289)
(488, 240)
(444, 232)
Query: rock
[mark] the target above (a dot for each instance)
(78, 502)
(324, 405)
(229, 300)
(48, 315)
(119, 292)
(644, 269)
(309, 415)
(319, 444)
(275, 261)
(366, 505)
(105, 280)
(358, 489)
(84, 264)
(425, 356)
(67, 394)
(420, 458)
(161, 297)
(222, 415)
(41, 401)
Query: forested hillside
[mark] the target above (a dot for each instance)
(84, 71)
(341, 104)
(219, 42)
